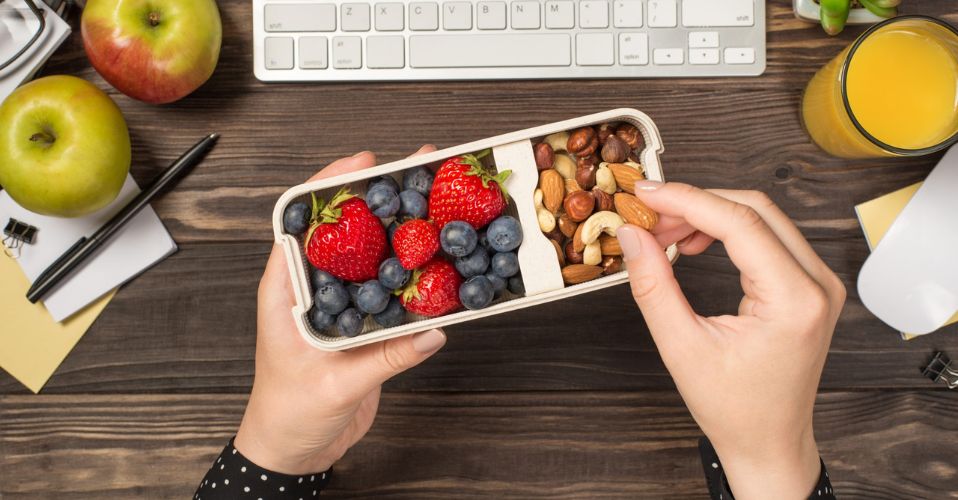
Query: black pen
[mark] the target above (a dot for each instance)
(82, 249)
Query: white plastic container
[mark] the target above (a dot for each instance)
(537, 260)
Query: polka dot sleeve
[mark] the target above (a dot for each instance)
(718, 485)
(232, 476)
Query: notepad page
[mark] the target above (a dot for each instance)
(139, 245)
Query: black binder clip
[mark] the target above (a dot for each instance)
(940, 370)
(16, 235)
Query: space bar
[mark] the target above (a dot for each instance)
(489, 51)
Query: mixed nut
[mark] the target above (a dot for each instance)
(586, 191)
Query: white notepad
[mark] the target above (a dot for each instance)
(139, 245)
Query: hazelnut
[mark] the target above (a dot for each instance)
(605, 130)
(631, 135)
(571, 256)
(583, 142)
(545, 156)
(579, 205)
(587, 161)
(603, 200)
(634, 156)
(585, 176)
(615, 150)
(611, 264)
(567, 226)
(555, 235)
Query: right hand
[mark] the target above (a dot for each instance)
(749, 380)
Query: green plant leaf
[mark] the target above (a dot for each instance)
(878, 10)
(834, 14)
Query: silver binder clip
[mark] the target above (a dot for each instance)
(940, 370)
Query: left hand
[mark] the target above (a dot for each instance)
(308, 407)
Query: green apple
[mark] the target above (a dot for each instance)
(157, 51)
(64, 147)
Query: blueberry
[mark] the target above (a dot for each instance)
(318, 278)
(505, 264)
(320, 320)
(473, 264)
(392, 275)
(476, 293)
(393, 315)
(484, 242)
(391, 230)
(418, 179)
(382, 201)
(296, 218)
(331, 298)
(383, 180)
(412, 205)
(498, 283)
(353, 290)
(516, 285)
(372, 297)
(505, 234)
(350, 323)
(458, 238)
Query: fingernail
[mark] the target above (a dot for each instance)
(428, 341)
(357, 155)
(647, 186)
(628, 237)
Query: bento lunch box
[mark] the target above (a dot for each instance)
(538, 264)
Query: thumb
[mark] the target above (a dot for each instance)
(664, 306)
(376, 363)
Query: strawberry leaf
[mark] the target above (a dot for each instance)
(411, 290)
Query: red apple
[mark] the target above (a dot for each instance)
(157, 51)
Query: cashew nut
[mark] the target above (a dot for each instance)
(547, 221)
(571, 186)
(600, 222)
(565, 165)
(592, 255)
(605, 180)
(557, 140)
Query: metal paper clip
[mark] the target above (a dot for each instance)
(16, 235)
(940, 370)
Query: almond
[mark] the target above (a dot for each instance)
(553, 189)
(577, 242)
(626, 176)
(567, 226)
(634, 211)
(559, 252)
(571, 186)
(610, 245)
(580, 273)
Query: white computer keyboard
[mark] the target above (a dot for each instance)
(346, 40)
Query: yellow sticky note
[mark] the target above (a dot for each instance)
(876, 217)
(32, 344)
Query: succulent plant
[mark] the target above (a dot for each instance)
(834, 13)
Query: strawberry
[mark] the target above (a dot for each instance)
(345, 239)
(464, 190)
(415, 242)
(433, 289)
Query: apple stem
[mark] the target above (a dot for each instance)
(45, 137)
(154, 18)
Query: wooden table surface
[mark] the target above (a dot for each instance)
(566, 400)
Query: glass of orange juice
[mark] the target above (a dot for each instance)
(894, 92)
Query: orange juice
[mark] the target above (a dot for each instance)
(892, 92)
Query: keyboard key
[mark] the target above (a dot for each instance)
(594, 14)
(312, 52)
(594, 49)
(703, 56)
(355, 16)
(633, 49)
(347, 52)
(703, 39)
(704, 13)
(278, 52)
(423, 16)
(525, 15)
(740, 55)
(662, 14)
(385, 51)
(389, 16)
(627, 13)
(300, 17)
(560, 14)
(489, 51)
(491, 15)
(457, 15)
(668, 56)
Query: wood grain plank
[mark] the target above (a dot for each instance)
(188, 326)
(878, 445)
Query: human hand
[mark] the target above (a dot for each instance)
(309, 406)
(749, 380)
